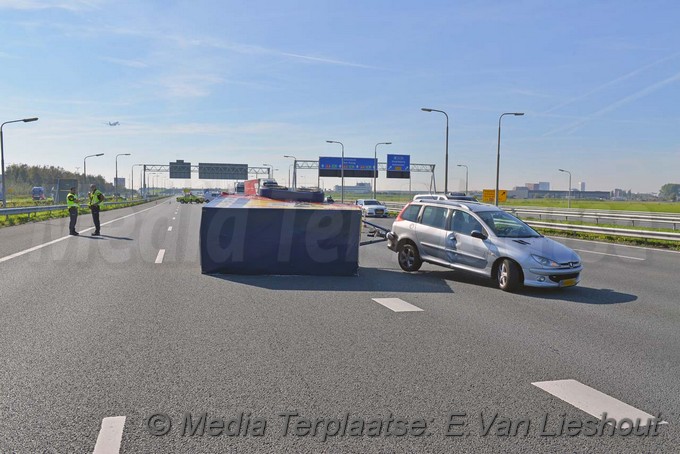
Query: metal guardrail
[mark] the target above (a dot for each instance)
(394, 206)
(596, 211)
(661, 218)
(47, 208)
(646, 234)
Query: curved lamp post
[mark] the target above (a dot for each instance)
(115, 189)
(498, 154)
(294, 169)
(85, 166)
(2, 155)
(569, 197)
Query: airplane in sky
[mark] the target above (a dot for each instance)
(115, 123)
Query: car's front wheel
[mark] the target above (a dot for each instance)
(409, 258)
(508, 275)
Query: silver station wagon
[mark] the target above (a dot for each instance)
(482, 239)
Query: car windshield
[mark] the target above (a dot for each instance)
(371, 202)
(505, 225)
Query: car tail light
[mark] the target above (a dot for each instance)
(399, 218)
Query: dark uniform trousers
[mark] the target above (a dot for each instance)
(73, 214)
(95, 217)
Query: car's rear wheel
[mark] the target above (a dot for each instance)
(409, 258)
(508, 275)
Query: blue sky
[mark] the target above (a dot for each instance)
(249, 82)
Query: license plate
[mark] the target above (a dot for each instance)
(568, 283)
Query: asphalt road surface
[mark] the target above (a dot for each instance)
(120, 344)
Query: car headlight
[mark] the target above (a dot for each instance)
(546, 262)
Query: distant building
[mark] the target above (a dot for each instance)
(543, 186)
(582, 186)
(526, 193)
(519, 192)
(532, 186)
(359, 188)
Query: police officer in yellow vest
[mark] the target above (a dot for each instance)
(72, 204)
(96, 199)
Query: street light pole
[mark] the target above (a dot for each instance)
(446, 158)
(342, 171)
(132, 180)
(270, 170)
(294, 170)
(2, 155)
(569, 196)
(498, 153)
(115, 182)
(466, 177)
(375, 176)
(85, 166)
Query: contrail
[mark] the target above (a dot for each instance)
(612, 82)
(625, 100)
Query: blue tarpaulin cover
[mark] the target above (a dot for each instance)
(256, 235)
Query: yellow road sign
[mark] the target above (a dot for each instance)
(489, 195)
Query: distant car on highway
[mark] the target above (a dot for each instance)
(209, 196)
(38, 193)
(371, 207)
(482, 239)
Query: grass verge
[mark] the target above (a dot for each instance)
(652, 207)
(643, 242)
(18, 219)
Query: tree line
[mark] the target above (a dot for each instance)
(20, 178)
(670, 191)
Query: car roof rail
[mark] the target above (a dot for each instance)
(467, 204)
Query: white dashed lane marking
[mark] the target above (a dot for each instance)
(593, 402)
(159, 257)
(110, 435)
(397, 305)
(170, 229)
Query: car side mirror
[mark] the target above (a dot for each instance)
(478, 234)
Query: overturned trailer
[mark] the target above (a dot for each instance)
(258, 235)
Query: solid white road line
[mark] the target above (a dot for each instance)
(159, 257)
(612, 255)
(170, 229)
(110, 435)
(40, 246)
(397, 305)
(593, 401)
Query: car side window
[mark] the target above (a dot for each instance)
(434, 217)
(411, 213)
(464, 223)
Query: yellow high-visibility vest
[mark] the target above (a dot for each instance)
(71, 201)
(95, 197)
